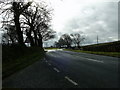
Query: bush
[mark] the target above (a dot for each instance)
(15, 51)
(15, 58)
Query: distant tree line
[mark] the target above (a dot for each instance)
(26, 22)
(67, 40)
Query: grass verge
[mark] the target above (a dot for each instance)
(113, 54)
(51, 48)
(14, 62)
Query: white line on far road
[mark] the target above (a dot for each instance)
(94, 60)
(73, 82)
(56, 69)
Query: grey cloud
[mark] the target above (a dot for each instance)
(102, 21)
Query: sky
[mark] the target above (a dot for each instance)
(89, 17)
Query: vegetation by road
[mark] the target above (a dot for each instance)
(67, 40)
(25, 23)
(50, 48)
(103, 47)
(114, 54)
(17, 57)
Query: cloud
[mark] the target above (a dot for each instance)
(95, 19)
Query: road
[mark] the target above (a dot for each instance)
(66, 69)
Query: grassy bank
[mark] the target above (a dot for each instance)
(113, 54)
(16, 58)
(103, 47)
(51, 48)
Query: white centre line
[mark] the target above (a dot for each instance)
(73, 82)
(56, 69)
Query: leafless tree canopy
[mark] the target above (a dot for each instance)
(77, 38)
(67, 40)
(31, 21)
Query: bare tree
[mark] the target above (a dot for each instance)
(32, 20)
(15, 8)
(65, 39)
(77, 39)
(61, 42)
(38, 21)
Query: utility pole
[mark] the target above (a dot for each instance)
(97, 39)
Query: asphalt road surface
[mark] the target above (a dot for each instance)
(66, 69)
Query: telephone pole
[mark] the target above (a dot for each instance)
(97, 39)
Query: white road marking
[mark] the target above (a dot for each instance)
(52, 50)
(73, 82)
(56, 69)
(60, 49)
(94, 60)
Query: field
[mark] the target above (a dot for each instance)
(107, 49)
(113, 54)
(103, 47)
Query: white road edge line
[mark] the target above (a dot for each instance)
(56, 69)
(73, 82)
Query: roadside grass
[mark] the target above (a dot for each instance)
(50, 48)
(103, 47)
(13, 64)
(113, 54)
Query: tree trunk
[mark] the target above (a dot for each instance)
(12, 40)
(78, 45)
(18, 29)
(35, 37)
(68, 45)
(31, 39)
(40, 43)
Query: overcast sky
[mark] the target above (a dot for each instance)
(92, 17)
